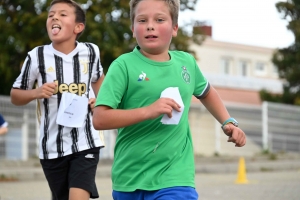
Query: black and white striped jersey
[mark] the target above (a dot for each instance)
(73, 73)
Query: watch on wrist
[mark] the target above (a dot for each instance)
(232, 121)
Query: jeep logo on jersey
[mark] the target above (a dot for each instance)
(74, 88)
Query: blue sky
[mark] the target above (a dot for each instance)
(250, 22)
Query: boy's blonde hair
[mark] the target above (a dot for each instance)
(174, 6)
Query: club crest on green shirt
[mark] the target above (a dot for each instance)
(185, 75)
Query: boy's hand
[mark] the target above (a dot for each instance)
(162, 106)
(46, 90)
(236, 135)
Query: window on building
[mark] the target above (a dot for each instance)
(243, 68)
(260, 69)
(225, 66)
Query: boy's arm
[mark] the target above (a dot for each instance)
(96, 85)
(215, 106)
(21, 97)
(105, 118)
(3, 130)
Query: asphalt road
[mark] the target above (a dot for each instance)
(276, 185)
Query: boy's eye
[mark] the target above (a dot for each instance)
(160, 20)
(141, 20)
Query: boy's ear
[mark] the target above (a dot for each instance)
(175, 29)
(79, 28)
(132, 29)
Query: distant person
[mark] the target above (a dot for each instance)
(154, 159)
(3, 125)
(69, 154)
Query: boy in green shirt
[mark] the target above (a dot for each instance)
(154, 159)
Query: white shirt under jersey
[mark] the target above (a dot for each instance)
(72, 73)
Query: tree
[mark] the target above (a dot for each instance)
(287, 60)
(23, 27)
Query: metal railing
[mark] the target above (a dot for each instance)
(272, 127)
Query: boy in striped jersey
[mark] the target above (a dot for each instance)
(69, 155)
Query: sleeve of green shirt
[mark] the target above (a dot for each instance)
(113, 86)
(201, 83)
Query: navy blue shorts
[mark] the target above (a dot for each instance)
(77, 170)
(173, 193)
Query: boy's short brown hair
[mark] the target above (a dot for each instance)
(173, 5)
(79, 12)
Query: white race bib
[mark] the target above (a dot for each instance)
(72, 110)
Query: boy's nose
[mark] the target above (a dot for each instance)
(55, 18)
(150, 29)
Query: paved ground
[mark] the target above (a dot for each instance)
(284, 185)
(269, 179)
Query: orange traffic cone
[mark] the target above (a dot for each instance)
(241, 174)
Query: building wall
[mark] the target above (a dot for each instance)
(211, 53)
(237, 71)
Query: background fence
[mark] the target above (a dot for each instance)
(272, 127)
(21, 141)
(281, 127)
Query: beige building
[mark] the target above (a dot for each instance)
(238, 71)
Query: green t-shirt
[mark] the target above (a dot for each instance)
(151, 155)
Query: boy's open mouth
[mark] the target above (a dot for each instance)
(55, 29)
(150, 36)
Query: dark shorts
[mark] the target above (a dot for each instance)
(77, 170)
(173, 193)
